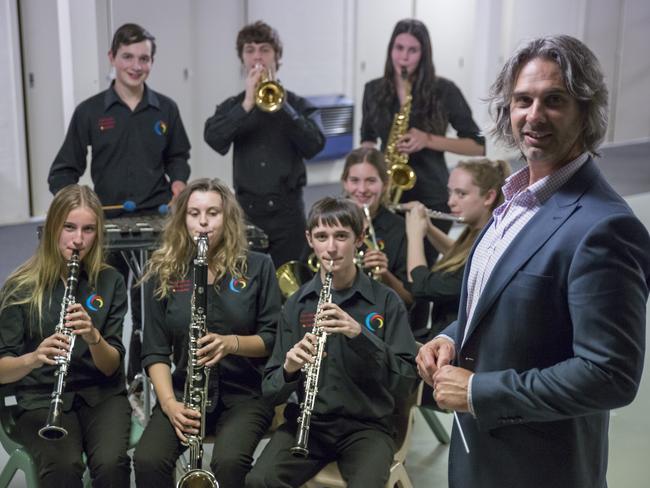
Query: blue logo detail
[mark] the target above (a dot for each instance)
(374, 321)
(237, 285)
(94, 302)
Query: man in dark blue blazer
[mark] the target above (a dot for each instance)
(551, 327)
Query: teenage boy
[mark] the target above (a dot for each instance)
(139, 148)
(269, 148)
(369, 361)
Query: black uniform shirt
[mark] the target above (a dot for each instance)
(429, 166)
(135, 154)
(243, 307)
(106, 304)
(269, 148)
(360, 377)
(443, 289)
(390, 231)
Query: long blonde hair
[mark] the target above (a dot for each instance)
(38, 276)
(172, 261)
(487, 175)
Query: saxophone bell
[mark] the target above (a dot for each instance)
(373, 240)
(291, 276)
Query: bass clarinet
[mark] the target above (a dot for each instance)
(196, 381)
(52, 429)
(312, 370)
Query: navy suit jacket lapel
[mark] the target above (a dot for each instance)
(551, 216)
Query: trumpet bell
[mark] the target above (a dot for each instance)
(269, 96)
(291, 276)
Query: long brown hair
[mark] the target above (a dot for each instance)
(375, 158)
(487, 175)
(37, 277)
(426, 107)
(171, 262)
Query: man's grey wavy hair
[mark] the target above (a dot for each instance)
(582, 75)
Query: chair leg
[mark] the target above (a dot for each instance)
(435, 425)
(399, 477)
(7, 474)
(20, 461)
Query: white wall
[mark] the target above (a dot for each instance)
(330, 47)
(14, 197)
(632, 109)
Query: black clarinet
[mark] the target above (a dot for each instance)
(52, 429)
(197, 379)
(312, 371)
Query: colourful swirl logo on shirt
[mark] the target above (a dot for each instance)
(94, 302)
(160, 128)
(374, 321)
(237, 285)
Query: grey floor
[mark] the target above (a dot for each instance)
(629, 465)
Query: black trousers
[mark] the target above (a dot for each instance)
(237, 430)
(283, 222)
(102, 432)
(364, 456)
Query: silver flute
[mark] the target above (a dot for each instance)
(312, 371)
(432, 214)
(52, 430)
(196, 381)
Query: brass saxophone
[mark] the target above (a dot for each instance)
(52, 429)
(401, 175)
(312, 371)
(196, 381)
(370, 241)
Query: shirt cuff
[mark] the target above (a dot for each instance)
(470, 404)
(446, 337)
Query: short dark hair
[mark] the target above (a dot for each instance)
(582, 76)
(259, 32)
(130, 34)
(336, 211)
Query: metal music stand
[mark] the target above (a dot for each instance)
(134, 237)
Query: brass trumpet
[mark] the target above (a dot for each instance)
(269, 94)
(432, 214)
